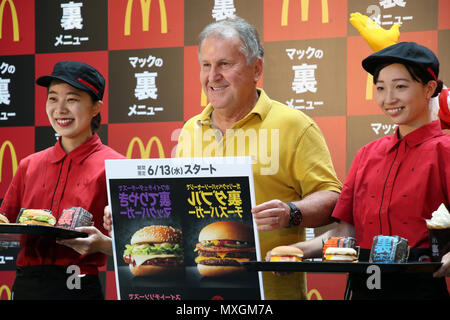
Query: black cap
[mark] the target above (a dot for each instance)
(409, 52)
(79, 75)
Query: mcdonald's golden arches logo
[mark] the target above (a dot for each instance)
(369, 87)
(314, 292)
(7, 290)
(12, 151)
(304, 11)
(145, 11)
(15, 20)
(145, 151)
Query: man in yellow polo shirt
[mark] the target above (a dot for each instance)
(295, 182)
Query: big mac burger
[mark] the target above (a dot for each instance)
(36, 216)
(155, 250)
(222, 245)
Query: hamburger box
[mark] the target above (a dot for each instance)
(74, 217)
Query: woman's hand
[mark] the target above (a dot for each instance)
(94, 242)
(444, 270)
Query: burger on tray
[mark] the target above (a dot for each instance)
(341, 254)
(3, 219)
(222, 245)
(36, 217)
(286, 253)
(155, 250)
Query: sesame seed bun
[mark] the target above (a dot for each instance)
(157, 234)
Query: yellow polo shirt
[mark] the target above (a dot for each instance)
(290, 161)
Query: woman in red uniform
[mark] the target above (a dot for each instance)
(69, 174)
(396, 182)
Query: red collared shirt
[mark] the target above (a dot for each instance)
(55, 180)
(395, 184)
(444, 111)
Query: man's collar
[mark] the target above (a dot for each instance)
(263, 104)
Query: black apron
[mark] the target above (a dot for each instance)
(397, 286)
(49, 282)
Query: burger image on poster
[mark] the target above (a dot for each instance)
(155, 250)
(221, 246)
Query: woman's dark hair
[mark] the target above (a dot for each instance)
(97, 120)
(417, 73)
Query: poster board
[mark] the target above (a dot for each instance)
(187, 195)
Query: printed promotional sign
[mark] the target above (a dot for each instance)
(181, 227)
(16, 108)
(71, 26)
(146, 85)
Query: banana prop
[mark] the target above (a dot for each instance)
(378, 38)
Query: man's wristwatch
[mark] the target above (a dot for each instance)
(295, 215)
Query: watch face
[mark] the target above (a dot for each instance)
(295, 215)
(296, 218)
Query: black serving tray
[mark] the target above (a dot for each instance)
(39, 230)
(341, 267)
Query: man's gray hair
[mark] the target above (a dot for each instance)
(251, 46)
